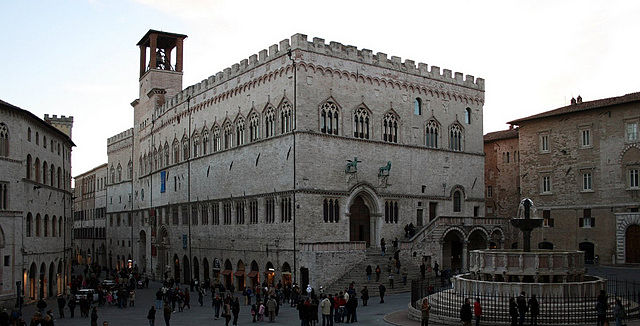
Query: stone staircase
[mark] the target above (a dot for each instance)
(358, 275)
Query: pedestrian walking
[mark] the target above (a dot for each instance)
(513, 311)
(534, 307)
(477, 311)
(41, 306)
(523, 308)
(72, 306)
(94, 316)
(465, 313)
(159, 296)
(364, 294)
(61, 303)
(378, 271)
(167, 314)
(200, 297)
(235, 310)
(151, 316)
(601, 308)
(271, 307)
(325, 308)
(383, 246)
(226, 312)
(405, 273)
(426, 307)
(368, 271)
(381, 290)
(217, 303)
(619, 313)
(391, 280)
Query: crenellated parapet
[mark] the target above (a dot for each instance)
(119, 137)
(334, 49)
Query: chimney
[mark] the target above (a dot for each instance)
(573, 101)
(579, 99)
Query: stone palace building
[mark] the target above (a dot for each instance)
(89, 216)
(289, 165)
(35, 203)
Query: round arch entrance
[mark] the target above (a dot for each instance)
(632, 244)
(452, 244)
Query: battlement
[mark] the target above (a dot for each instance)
(123, 135)
(62, 119)
(335, 49)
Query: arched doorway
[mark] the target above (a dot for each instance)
(240, 275)
(360, 221)
(33, 270)
(163, 253)
(187, 269)
(60, 281)
(270, 274)
(452, 250)
(142, 250)
(253, 275)
(588, 249)
(205, 269)
(632, 244)
(42, 281)
(477, 240)
(52, 279)
(286, 274)
(227, 273)
(196, 269)
(176, 268)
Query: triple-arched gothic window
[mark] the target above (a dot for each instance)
(205, 141)
(119, 169)
(329, 118)
(254, 127)
(113, 174)
(185, 147)
(176, 151)
(228, 135)
(432, 132)
(216, 138)
(195, 140)
(455, 138)
(166, 154)
(287, 117)
(390, 128)
(130, 167)
(269, 122)
(361, 123)
(240, 131)
(156, 164)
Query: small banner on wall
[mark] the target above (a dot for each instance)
(184, 241)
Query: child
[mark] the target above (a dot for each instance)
(261, 312)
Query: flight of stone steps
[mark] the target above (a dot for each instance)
(358, 275)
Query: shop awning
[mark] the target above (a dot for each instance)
(253, 274)
(239, 273)
(226, 272)
(286, 273)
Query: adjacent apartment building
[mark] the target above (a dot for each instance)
(580, 164)
(89, 216)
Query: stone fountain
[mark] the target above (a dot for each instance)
(496, 274)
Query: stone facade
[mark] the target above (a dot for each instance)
(579, 165)
(250, 165)
(89, 216)
(35, 205)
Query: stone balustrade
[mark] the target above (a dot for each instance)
(334, 246)
(590, 287)
(566, 265)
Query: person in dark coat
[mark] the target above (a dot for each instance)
(513, 311)
(465, 313)
(217, 303)
(534, 306)
(151, 316)
(522, 308)
(364, 295)
(94, 317)
(41, 306)
(382, 290)
(61, 303)
(235, 310)
(167, 314)
(368, 271)
(72, 306)
(378, 271)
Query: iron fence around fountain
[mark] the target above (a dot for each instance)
(554, 310)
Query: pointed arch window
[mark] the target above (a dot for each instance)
(185, 148)
(113, 174)
(45, 169)
(119, 171)
(390, 128)
(216, 138)
(176, 151)
(52, 175)
(29, 134)
(36, 169)
(145, 164)
(432, 132)
(29, 225)
(269, 122)
(240, 132)
(130, 169)
(417, 106)
(4, 140)
(228, 135)
(329, 118)
(455, 138)
(361, 123)
(254, 127)
(156, 160)
(38, 225)
(287, 117)
(467, 116)
(457, 201)
(29, 166)
(195, 140)
(166, 154)
(54, 223)
(59, 176)
(46, 225)
(205, 141)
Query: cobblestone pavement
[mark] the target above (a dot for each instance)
(370, 315)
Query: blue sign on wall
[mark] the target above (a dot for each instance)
(184, 241)
(163, 181)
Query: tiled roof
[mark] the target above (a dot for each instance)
(502, 134)
(42, 122)
(584, 106)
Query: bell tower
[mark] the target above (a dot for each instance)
(161, 64)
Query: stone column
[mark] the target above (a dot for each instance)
(465, 253)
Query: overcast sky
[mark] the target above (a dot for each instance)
(79, 57)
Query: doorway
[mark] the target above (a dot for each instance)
(588, 249)
(632, 244)
(359, 222)
(432, 210)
